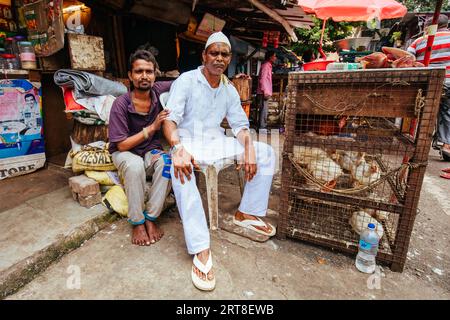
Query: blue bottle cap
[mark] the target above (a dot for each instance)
(371, 226)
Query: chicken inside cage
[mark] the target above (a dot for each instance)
(360, 219)
(358, 128)
(356, 144)
(351, 161)
(331, 221)
(327, 168)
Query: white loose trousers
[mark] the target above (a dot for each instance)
(254, 200)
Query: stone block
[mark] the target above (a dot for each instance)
(90, 201)
(84, 186)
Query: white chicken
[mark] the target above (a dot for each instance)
(360, 219)
(379, 215)
(365, 173)
(320, 164)
(307, 154)
(349, 160)
(326, 171)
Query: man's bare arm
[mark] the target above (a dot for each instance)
(245, 138)
(182, 160)
(249, 163)
(170, 132)
(131, 142)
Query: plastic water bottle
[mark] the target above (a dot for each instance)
(367, 250)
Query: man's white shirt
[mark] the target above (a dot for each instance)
(198, 110)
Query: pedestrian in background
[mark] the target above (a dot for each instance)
(264, 91)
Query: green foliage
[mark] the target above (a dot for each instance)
(424, 5)
(396, 36)
(310, 38)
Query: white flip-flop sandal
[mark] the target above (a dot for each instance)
(251, 224)
(205, 285)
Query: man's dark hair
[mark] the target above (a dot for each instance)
(144, 55)
(442, 21)
(29, 95)
(148, 47)
(269, 54)
(308, 55)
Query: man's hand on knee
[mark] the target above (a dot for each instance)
(183, 162)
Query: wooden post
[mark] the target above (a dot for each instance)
(416, 176)
(212, 195)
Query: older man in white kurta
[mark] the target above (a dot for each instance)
(198, 109)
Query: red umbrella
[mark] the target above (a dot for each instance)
(351, 10)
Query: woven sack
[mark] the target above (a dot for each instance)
(92, 159)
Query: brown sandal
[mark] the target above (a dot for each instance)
(445, 175)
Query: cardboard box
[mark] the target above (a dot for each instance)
(209, 25)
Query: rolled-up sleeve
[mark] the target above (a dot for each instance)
(118, 122)
(162, 86)
(178, 97)
(412, 48)
(236, 117)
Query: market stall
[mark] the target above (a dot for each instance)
(356, 150)
(24, 36)
(344, 156)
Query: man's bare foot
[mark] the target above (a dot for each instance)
(203, 257)
(140, 236)
(154, 232)
(242, 216)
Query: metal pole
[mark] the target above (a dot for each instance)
(324, 56)
(431, 36)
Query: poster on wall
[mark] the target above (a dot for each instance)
(21, 132)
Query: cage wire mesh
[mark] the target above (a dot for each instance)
(356, 151)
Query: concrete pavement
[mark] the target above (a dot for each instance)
(108, 267)
(39, 231)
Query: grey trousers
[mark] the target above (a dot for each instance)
(133, 171)
(444, 117)
(263, 110)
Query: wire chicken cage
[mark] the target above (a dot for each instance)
(356, 151)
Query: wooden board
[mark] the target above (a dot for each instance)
(86, 52)
(363, 101)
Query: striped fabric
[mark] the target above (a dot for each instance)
(440, 55)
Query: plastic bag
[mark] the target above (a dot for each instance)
(116, 200)
(105, 178)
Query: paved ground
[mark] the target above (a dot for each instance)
(109, 267)
(35, 233)
(55, 215)
(30, 186)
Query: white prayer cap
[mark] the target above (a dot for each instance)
(217, 37)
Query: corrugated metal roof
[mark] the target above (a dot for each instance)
(296, 17)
